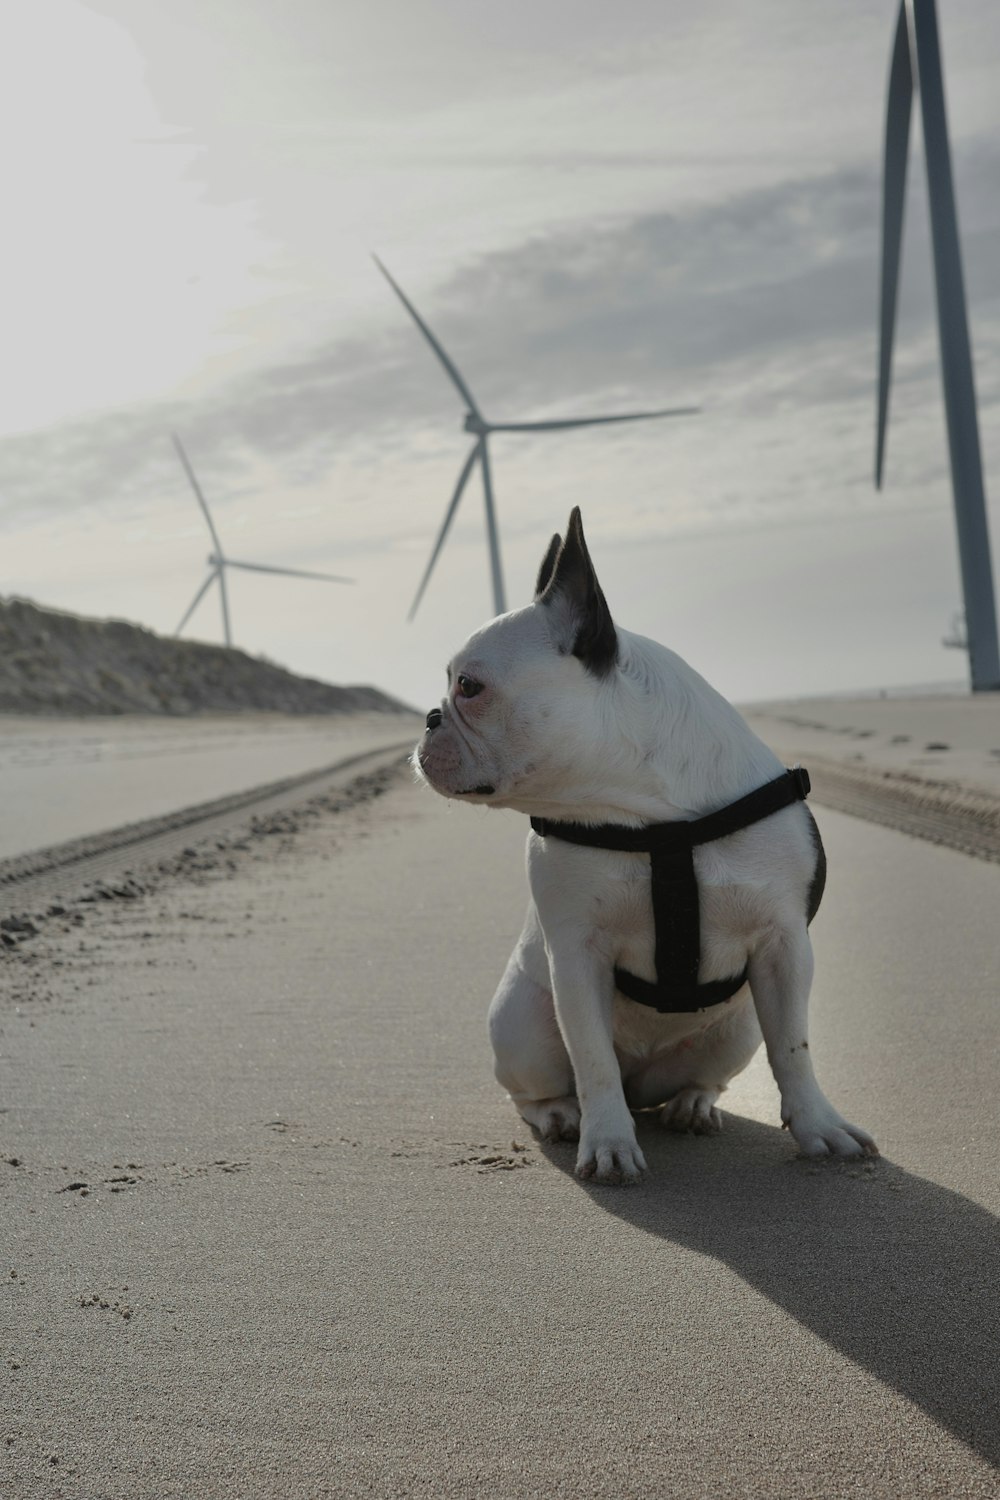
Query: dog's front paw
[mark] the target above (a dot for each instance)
(823, 1132)
(609, 1158)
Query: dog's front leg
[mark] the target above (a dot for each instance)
(583, 987)
(780, 976)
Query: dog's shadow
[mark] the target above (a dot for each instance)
(898, 1274)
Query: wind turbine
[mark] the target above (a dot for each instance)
(481, 429)
(916, 60)
(218, 562)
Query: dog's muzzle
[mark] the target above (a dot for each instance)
(434, 720)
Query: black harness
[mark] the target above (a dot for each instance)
(674, 888)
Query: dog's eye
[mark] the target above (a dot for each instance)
(468, 687)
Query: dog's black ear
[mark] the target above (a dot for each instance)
(548, 563)
(571, 587)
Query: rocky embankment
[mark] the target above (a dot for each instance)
(56, 663)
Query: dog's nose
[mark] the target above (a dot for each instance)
(434, 718)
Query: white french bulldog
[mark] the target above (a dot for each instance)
(554, 712)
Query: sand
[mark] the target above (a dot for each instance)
(271, 1229)
(65, 778)
(952, 740)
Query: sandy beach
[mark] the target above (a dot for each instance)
(64, 778)
(944, 739)
(272, 1230)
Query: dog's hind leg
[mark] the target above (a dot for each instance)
(692, 1111)
(780, 976)
(686, 1080)
(531, 1061)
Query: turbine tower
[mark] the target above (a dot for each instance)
(916, 62)
(476, 424)
(218, 562)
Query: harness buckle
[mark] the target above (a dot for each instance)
(800, 776)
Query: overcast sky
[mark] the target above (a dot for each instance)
(596, 207)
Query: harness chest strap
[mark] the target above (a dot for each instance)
(674, 888)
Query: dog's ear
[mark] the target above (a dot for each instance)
(548, 563)
(572, 592)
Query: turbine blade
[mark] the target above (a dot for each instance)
(449, 516)
(567, 422)
(897, 141)
(230, 562)
(197, 599)
(450, 368)
(189, 471)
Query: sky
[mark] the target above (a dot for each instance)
(597, 208)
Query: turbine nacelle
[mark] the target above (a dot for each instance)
(218, 564)
(476, 425)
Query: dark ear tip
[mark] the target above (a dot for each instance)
(568, 576)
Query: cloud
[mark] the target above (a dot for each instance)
(762, 304)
